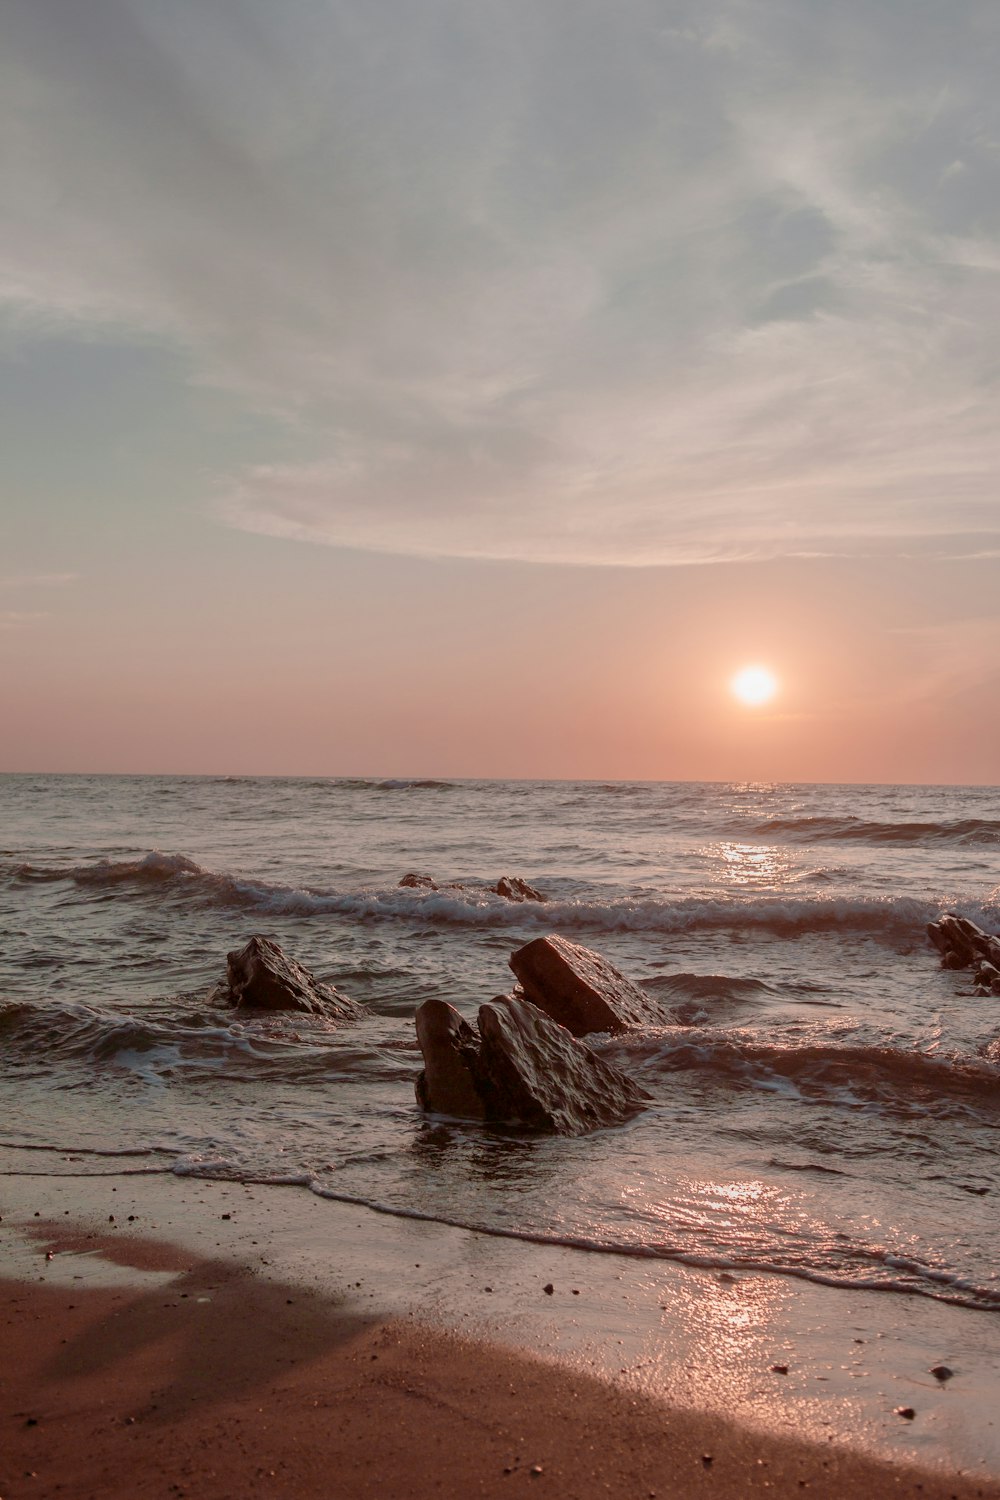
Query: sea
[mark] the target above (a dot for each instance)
(825, 1099)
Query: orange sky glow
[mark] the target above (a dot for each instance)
(474, 391)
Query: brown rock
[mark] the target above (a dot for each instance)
(513, 888)
(542, 1077)
(581, 990)
(987, 977)
(961, 943)
(522, 1069)
(262, 977)
(449, 1046)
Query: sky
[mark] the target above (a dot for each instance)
(462, 389)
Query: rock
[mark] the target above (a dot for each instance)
(987, 977)
(906, 1412)
(520, 1068)
(450, 1047)
(539, 1075)
(581, 990)
(262, 977)
(963, 945)
(513, 888)
(941, 1373)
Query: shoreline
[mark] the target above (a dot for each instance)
(789, 1382)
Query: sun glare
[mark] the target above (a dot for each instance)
(754, 686)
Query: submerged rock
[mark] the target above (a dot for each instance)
(510, 887)
(582, 990)
(513, 888)
(518, 1068)
(262, 977)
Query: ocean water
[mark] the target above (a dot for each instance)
(826, 1100)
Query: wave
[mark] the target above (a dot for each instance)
(858, 1267)
(388, 784)
(472, 905)
(151, 869)
(285, 1047)
(823, 829)
(886, 1076)
(266, 784)
(427, 785)
(844, 1263)
(891, 1078)
(698, 998)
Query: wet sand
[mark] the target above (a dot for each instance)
(219, 1384)
(169, 1336)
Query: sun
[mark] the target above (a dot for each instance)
(754, 686)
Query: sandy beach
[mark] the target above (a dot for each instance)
(209, 1346)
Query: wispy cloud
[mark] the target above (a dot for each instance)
(36, 580)
(642, 283)
(19, 619)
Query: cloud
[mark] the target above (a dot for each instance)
(18, 619)
(36, 580)
(652, 282)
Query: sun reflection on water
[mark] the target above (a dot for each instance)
(724, 1320)
(759, 865)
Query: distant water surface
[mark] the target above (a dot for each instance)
(827, 1102)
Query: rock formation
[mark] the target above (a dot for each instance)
(262, 977)
(513, 888)
(581, 990)
(510, 887)
(518, 1068)
(963, 945)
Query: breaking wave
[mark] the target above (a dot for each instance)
(176, 877)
